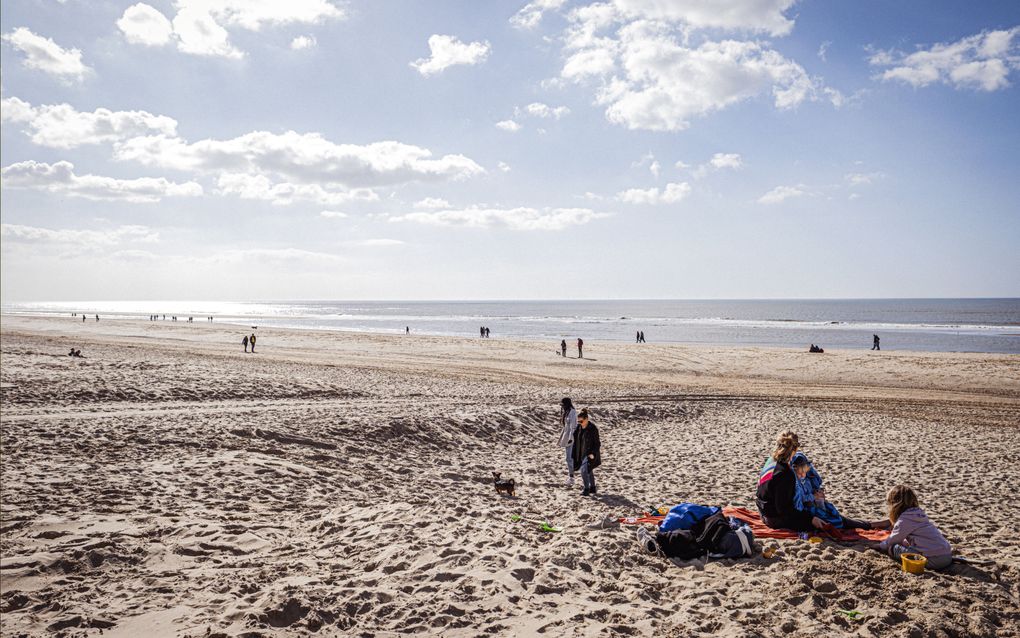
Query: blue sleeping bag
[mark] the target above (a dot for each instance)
(685, 515)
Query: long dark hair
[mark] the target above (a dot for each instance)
(567, 405)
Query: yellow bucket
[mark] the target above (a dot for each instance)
(913, 563)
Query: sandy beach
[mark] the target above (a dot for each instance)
(170, 484)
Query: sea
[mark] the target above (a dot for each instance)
(938, 325)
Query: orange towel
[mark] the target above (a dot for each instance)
(761, 530)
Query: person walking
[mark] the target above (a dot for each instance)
(637, 337)
(252, 339)
(874, 342)
(244, 342)
(580, 348)
(568, 419)
(587, 451)
(563, 347)
(642, 333)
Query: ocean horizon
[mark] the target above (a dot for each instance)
(938, 325)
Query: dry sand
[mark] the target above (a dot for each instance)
(170, 484)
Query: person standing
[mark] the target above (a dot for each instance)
(252, 339)
(587, 451)
(568, 419)
(874, 343)
(563, 347)
(407, 330)
(637, 337)
(244, 342)
(580, 348)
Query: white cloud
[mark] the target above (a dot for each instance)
(255, 14)
(654, 81)
(198, 33)
(375, 242)
(655, 168)
(981, 62)
(143, 24)
(303, 42)
(83, 238)
(522, 218)
(673, 193)
(529, 16)
(726, 160)
(503, 166)
(823, 50)
(61, 126)
(60, 178)
(248, 186)
(333, 214)
(43, 54)
(780, 194)
(734, 15)
(863, 179)
(508, 125)
(199, 26)
(432, 203)
(538, 109)
(447, 51)
(301, 158)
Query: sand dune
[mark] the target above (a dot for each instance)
(169, 484)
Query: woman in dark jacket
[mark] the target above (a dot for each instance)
(777, 485)
(587, 451)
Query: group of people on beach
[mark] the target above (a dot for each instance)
(790, 493)
(580, 348)
(249, 340)
(483, 332)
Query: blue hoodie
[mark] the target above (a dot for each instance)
(804, 495)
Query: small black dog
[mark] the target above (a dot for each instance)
(507, 486)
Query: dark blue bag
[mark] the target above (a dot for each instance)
(685, 515)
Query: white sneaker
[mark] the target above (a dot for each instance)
(570, 481)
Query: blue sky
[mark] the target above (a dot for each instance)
(220, 149)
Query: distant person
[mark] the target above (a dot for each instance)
(83, 318)
(563, 347)
(244, 342)
(481, 332)
(580, 348)
(252, 340)
(587, 451)
(486, 332)
(637, 337)
(97, 317)
(407, 330)
(874, 342)
(568, 419)
(71, 353)
(641, 336)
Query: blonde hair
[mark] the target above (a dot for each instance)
(786, 445)
(900, 499)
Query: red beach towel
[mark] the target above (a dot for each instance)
(761, 530)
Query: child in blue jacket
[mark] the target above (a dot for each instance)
(808, 493)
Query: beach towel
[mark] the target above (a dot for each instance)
(761, 530)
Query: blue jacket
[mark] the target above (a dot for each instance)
(685, 515)
(804, 496)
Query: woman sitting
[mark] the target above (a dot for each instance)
(776, 496)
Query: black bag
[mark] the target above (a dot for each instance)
(679, 543)
(709, 532)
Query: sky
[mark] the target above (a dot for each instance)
(318, 149)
